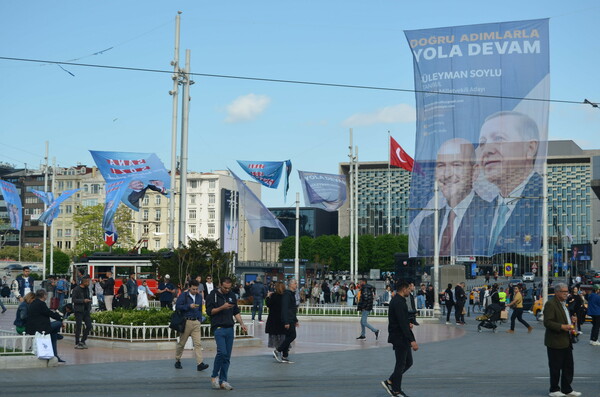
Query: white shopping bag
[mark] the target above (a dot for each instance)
(94, 300)
(43, 345)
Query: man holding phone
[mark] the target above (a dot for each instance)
(190, 303)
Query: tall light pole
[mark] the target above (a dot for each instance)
(185, 113)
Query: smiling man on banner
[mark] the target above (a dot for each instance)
(13, 204)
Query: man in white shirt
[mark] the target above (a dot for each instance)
(208, 286)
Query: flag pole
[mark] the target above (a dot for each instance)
(545, 235)
(52, 184)
(351, 176)
(297, 241)
(356, 214)
(185, 112)
(45, 207)
(436, 252)
(174, 93)
(389, 212)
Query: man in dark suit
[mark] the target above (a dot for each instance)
(463, 227)
(38, 320)
(508, 147)
(401, 337)
(82, 306)
(557, 339)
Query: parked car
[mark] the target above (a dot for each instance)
(528, 277)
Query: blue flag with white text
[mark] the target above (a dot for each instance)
(46, 197)
(13, 204)
(53, 209)
(268, 173)
(325, 191)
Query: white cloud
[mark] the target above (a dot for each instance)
(246, 107)
(401, 113)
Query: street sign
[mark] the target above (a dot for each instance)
(110, 238)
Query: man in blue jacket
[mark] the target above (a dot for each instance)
(190, 303)
(259, 292)
(25, 283)
(593, 311)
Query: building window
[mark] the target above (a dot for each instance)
(146, 228)
(95, 188)
(60, 185)
(157, 199)
(192, 199)
(157, 215)
(193, 184)
(89, 202)
(68, 209)
(157, 244)
(211, 228)
(211, 199)
(67, 245)
(146, 200)
(59, 244)
(192, 214)
(67, 232)
(32, 200)
(192, 229)
(69, 184)
(211, 214)
(59, 233)
(157, 228)
(212, 183)
(145, 215)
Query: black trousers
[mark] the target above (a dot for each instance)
(448, 310)
(562, 368)
(404, 361)
(132, 301)
(517, 314)
(79, 319)
(595, 328)
(458, 316)
(165, 304)
(290, 336)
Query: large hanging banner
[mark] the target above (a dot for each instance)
(268, 173)
(53, 209)
(482, 127)
(325, 191)
(128, 176)
(13, 204)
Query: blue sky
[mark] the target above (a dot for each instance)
(346, 42)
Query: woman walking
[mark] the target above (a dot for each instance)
(274, 326)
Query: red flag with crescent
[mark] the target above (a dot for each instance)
(398, 157)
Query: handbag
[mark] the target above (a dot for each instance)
(54, 303)
(177, 321)
(43, 344)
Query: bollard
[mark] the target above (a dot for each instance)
(469, 311)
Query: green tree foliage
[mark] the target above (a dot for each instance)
(366, 251)
(325, 250)
(200, 257)
(385, 247)
(287, 249)
(27, 254)
(61, 262)
(88, 223)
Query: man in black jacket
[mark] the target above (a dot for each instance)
(290, 321)
(38, 320)
(402, 339)
(221, 306)
(364, 306)
(82, 306)
(108, 285)
(460, 298)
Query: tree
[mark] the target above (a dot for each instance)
(61, 262)
(366, 250)
(386, 246)
(287, 249)
(88, 223)
(27, 254)
(325, 250)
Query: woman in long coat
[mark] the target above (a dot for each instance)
(275, 327)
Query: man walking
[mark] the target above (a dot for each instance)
(166, 289)
(290, 321)
(82, 306)
(190, 303)
(557, 339)
(460, 298)
(221, 306)
(132, 291)
(593, 298)
(402, 339)
(364, 306)
(410, 303)
(517, 304)
(108, 285)
(259, 291)
(24, 284)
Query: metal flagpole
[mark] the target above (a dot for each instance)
(545, 235)
(174, 92)
(184, 150)
(45, 207)
(389, 212)
(351, 176)
(52, 185)
(355, 214)
(436, 253)
(297, 240)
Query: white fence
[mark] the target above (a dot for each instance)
(12, 343)
(145, 333)
(337, 310)
(10, 301)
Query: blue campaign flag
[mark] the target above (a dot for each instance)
(325, 191)
(143, 171)
(46, 197)
(482, 128)
(114, 193)
(268, 173)
(13, 204)
(53, 209)
(254, 210)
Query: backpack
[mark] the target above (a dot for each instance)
(60, 286)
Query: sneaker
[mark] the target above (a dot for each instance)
(361, 337)
(83, 345)
(278, 355)
(557, 394)
(261, 322)
(510, 331)
(574, 394)
(376, 334)
(286, 360)
(214, 382)
(226, 386)
(387, 386)
(79, 346)
(201, 366)
(178, 364)
(595, 343)
(448, 323)
(4, 310)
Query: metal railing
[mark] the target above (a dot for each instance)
(145, 333)
(12, 343)
(337, 310)
(10, 301)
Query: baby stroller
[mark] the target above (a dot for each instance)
(489, 318)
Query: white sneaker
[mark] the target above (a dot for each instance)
(574, 394)
(448, 323)
(594, 343)
(557, 394)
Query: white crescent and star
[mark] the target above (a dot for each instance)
(399, 156)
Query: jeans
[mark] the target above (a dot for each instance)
(404, 361)
(224, 341)
(257, 304)
(364, 323)
(61, 299)
(420, 301)
(595, 328)
(2, 305)
(55, 327)
(517, 314)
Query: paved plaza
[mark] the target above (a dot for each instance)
(329, 361)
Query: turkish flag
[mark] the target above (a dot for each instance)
(398, 157)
